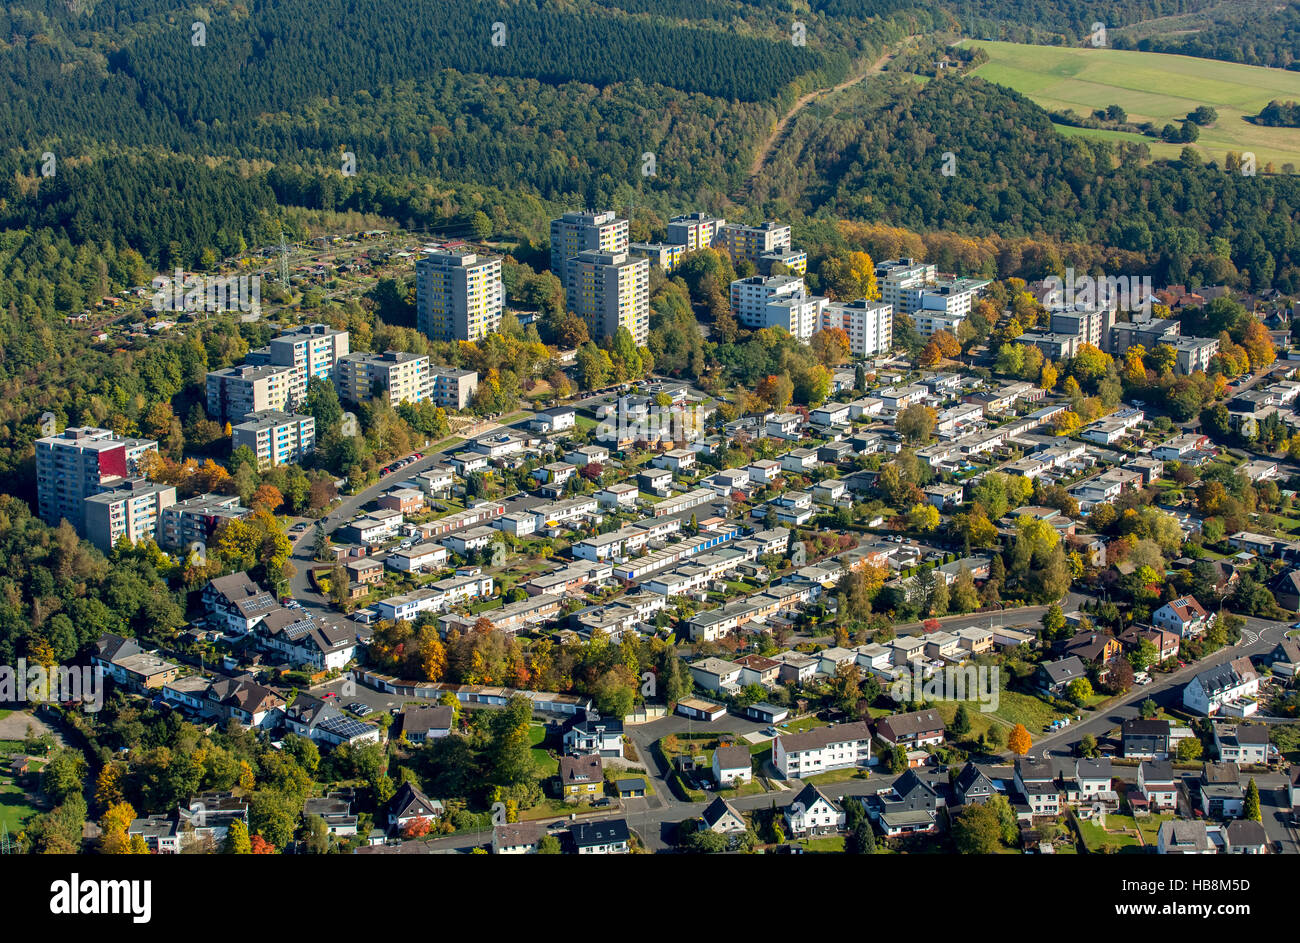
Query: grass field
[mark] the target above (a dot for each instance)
(1153, 87)
(1017, 708)
(14, 807)
(546, 764)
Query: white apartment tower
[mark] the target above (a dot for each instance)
(574, 233)
(459, 296)
(868, 324)
(750, 296)
(406, 377)
(695, 231)
(78, 463)
(895, 276)
(610, 290)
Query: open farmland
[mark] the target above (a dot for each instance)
(1152, 87)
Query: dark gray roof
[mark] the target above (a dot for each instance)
(1246, 832)
(810, 794)
(611, 832)
(1157, 771)
(971, 778)
(717, 809)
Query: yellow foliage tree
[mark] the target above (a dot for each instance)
(1019, 740)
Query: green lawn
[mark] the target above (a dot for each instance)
(980, 722)
(547, 765)
(1152, 87)
(1017, 708)
(1095, 837)
(751, 788)
(15, 809)
(835, 776)
(1149, 826)
(827, 844)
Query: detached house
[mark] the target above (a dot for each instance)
(1222, 795)
(601, 838)
(581, 776)
(917, 729)
(123, 660)
(732, 766)
(822, 749)
(235, 603)
(1242, 743)
(973, 786)
(721, 817)
(1225, 689)
(1145, 739)
(1157, 784)
(598, 735)
(1184, 838)
(1055, 676)
(409, 805)
(1185, 616)
(517, 838)
(1036, 780)
(244, 701)
(419, 724)
(811, 813)
(1285, 658)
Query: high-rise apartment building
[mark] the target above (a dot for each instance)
(78, 463)
(868, 324)
(406, 377)
(799, 313)
(893, 277)
(184, 522)
(666, 255)
(132, 510)
(234, 392)
(1090, 326)
(750, 296)
(695, 231)
(459, 295)
(941, 305)
(610, 290)
(275, 437)
(749, 243)
(574, 233)
(453, 388)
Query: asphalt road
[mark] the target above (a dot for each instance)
(1258, 637)
(303, 555)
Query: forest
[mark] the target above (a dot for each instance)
(879, 158)
(1247, 33)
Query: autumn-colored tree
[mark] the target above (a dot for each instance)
(260, 846)
(416, 828)
(1019, 741)
(1066, 423)
(830, 346)
(775, 390)
(114, 824)
(931, 355)
(923, 517)
(247, 782)
(108, 785)
(267, 498)
(948, 345)
(237, 841)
